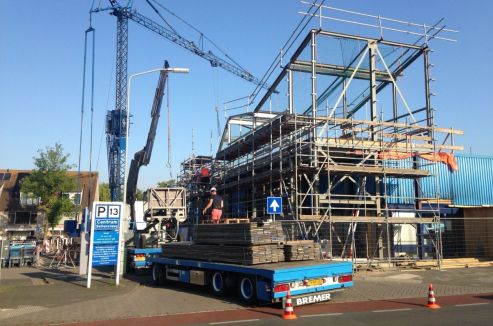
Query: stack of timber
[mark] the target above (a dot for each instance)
(242, 255)
(239, 234)
(301, 250)
(239, 243)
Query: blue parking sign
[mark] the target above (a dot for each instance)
(274, 205)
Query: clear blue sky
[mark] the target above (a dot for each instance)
(41, 55)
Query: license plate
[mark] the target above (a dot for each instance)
(314, 282)
(309, 299)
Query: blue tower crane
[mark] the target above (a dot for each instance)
(116, 119)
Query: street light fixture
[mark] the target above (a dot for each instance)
(129, 84)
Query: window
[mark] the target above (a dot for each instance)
(29, 200)
(75, 197)
(5, 176)
(23, 218)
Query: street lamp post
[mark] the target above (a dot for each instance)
(129, 84)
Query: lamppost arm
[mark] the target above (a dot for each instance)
(129, 85)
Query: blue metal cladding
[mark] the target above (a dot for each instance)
(471, 185)
(399, 190)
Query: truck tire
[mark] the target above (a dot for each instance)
(247, 289)
(157, 274)
(217, 283)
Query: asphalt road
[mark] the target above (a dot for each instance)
(456, 310)
(472, 314)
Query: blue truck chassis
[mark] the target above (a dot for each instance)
(307, 281)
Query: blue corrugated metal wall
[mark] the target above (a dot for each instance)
(471, 185)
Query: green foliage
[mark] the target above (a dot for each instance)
(104, 192)
(105, 195)
(139, 195)
(57, 208)
(167, 183)
(48, 181)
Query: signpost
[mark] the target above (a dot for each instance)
(274, 205)
(106, 227)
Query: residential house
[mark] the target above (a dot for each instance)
(19, 215)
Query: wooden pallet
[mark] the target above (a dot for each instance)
(242, 255)
(301, 250)
(239, 234)
(235, 220)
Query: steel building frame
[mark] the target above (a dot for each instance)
(334, 165)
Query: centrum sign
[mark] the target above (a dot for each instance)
(104, 248)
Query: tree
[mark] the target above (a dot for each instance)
(104, 192)
(139, 194)
(167, 183)
(48, 181)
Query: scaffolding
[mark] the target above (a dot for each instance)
(354, 160)
(195, 177)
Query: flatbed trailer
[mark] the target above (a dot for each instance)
(138, 258)
(307, 281)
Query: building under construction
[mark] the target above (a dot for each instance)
(352, 156)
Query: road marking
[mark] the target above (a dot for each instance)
(471, 304)
(320, 315)
(392, 310)
(233, 321)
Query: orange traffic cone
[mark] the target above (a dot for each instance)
(288, 308)
(431, 298)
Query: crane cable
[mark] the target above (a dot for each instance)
(159, 14)
(88, 31)
(202, 35)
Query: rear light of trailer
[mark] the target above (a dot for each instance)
(281, 288)
(345, 278)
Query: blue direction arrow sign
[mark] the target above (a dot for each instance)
(274, 205)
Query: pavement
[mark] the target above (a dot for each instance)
(41, 296)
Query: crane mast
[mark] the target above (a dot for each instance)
(116, 119)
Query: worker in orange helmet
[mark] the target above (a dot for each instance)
(216, 202)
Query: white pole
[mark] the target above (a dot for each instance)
(91, 246)
(120, 247)
(1, 259)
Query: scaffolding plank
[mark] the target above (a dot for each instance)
(368, 219)
(379, 145)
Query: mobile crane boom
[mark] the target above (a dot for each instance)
(143, 156)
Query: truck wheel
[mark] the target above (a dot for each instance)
(217, 283)
(157, 274)
(247, 289)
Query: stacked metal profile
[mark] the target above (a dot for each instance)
(301, 250)
(243, 243)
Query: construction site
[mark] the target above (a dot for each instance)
(362, 169)
(343, 171)
(341, 131)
